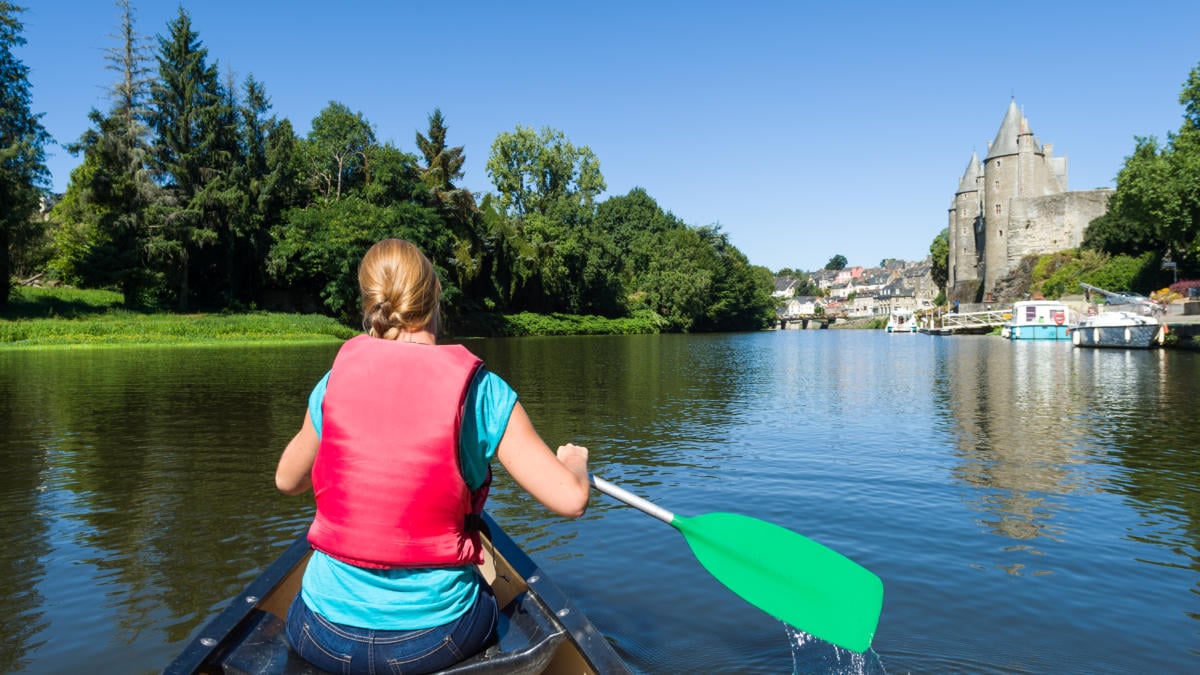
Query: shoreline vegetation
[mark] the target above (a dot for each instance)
(68, 317)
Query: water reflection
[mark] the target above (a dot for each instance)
(124, 453)
(1035, 422)
(26, 508)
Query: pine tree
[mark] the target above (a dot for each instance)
(443, 165)
(106, 205)
(188, 152)
(23, 173)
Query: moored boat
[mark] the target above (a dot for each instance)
(1038, 320)
(540, 629)
(901, 320)
(1118, 329)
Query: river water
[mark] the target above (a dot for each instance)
(1030, 507)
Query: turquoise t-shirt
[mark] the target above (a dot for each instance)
(411, 599)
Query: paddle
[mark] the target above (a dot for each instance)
(788, 576)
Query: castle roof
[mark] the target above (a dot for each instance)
(969, 182)
(1014, 124)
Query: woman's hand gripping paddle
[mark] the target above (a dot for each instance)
(788, 576)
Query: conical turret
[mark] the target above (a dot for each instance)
(1013, 125)
(970, 178)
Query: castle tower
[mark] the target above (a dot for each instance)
(965, 230)
(1001, 185)
(1013, 204)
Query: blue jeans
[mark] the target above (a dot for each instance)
(346, 649)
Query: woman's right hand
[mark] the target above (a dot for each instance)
(571, 451)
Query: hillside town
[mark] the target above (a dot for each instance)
(857, 292)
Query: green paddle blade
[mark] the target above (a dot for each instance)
(788, 576)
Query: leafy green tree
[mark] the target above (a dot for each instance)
(544, 173)
(395, 177)
(318, 249)
(741, 294)
(338, 150)
(939, 255)
(547, 188)
(837, 262)
(677, 282)
(23, 173)
(1155, 208)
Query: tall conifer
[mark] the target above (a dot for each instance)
(23, 173)
(106, 206)
(187, 113)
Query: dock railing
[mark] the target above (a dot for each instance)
(975, 321)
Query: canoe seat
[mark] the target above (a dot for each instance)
(529, 637)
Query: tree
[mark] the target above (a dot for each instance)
(104, 231)
(23, 173)
(443, 165)
(1155, 208)
(318, 248)
(547, 189)
(192, 149)
(939, 255)
(338, 149)
(741, 294)
(837, 262)
(544, 173)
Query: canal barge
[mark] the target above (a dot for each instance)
(1038, 320)
(540, 629)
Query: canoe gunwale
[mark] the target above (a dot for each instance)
(590, 644)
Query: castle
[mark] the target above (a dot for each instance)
(1013, 204)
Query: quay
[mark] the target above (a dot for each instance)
(1182, 321)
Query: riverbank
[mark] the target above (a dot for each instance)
(64, 317)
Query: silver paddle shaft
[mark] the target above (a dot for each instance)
(620, 494)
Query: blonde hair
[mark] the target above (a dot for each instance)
(400, 290)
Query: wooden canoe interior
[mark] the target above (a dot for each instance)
(505, 582)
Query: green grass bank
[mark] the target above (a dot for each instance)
(67, 317)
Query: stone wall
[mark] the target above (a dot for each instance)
(1051, 223)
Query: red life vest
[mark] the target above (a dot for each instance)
(387, 480)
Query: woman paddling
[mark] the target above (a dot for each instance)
(397, 444)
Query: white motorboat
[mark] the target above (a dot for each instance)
(1118, 329)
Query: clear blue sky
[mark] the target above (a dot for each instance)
(805, 130)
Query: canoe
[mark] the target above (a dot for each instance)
(540, 629)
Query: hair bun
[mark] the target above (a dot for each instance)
(380, 319)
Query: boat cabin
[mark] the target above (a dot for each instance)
(1039, 320)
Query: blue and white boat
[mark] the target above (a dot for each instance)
(1038, 320)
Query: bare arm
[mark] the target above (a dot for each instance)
(560, 482)
(293, 476)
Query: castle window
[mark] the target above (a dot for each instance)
(996, 183)
(997, 209)
(997, 164)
